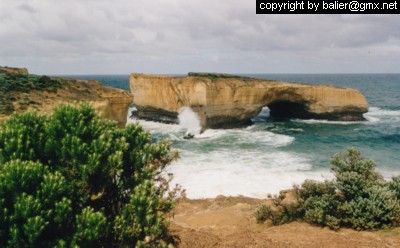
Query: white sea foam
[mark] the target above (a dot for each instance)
(248, 173)
(376, 114)
(370, 118)
(156, 127)
(373, 115)
(383, 112)
(261, 138)
(243, 137)
(296, 129)
(313, 121)
(234, 161)
(211, 134)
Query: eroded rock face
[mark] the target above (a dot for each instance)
(114, 105)
(229, 102)
(111, 103)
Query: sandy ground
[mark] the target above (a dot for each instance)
(230, 222)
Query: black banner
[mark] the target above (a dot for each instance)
(327, 7)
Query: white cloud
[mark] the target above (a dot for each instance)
(176, 36)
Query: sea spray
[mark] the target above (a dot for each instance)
(190, 121)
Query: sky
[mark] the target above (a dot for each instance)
(60, 37)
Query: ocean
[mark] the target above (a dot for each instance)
(270, 156)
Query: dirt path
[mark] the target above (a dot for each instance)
(230, 222)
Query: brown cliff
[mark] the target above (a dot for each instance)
(111, 103)
(223, 101)
(22, 71)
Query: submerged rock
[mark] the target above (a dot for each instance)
(188, 136)
(223, 101)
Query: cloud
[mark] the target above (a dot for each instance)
(176, 36)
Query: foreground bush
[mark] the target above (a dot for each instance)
(75, 180)
(358, 198)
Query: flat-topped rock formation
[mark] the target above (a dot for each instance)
(227, 101)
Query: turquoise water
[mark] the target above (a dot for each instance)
(377, 139)
(269, 156)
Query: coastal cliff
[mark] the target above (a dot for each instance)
(14, 70)
(227, 101)
(20, 92)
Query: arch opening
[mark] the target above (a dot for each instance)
(288, 110)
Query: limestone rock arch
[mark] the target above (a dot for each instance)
(229, 101)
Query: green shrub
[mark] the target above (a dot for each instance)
(319, 209)
(12, 82)
(73, 179)
(48, 83)
(359, 198)
(316, 189)
(318, 203)
(279, 214)
(215, 76)
(36, 211)
(354, 174)
(6, 106)
(263, 213)
(395, 186)
(379, 208)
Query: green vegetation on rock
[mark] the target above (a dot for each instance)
(11, 83)
(214, 76)
(73, 179)
(26, 82)
(358, 198)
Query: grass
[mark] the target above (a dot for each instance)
(390, 232)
